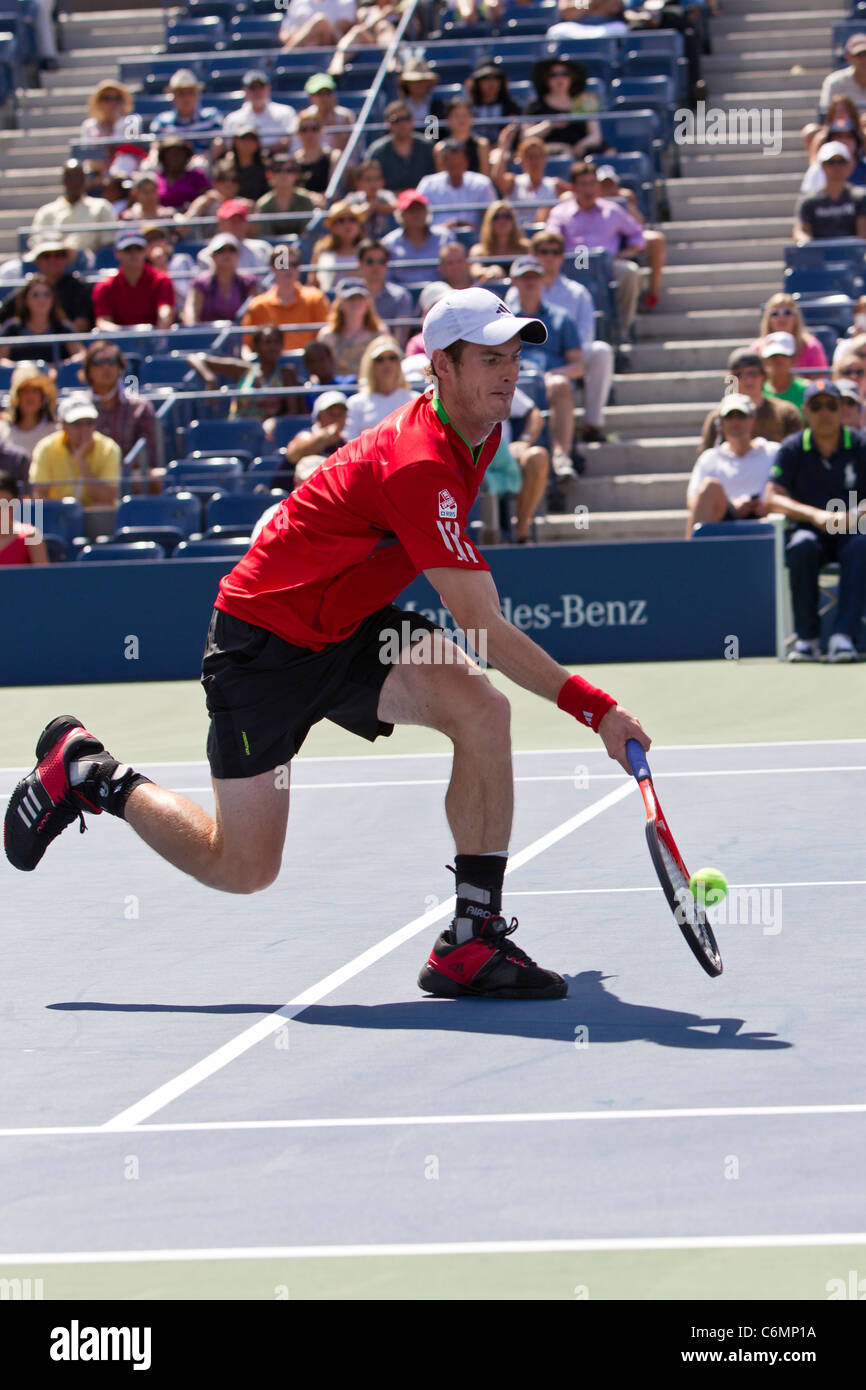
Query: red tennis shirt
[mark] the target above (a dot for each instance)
(384, 507)
(125, 304)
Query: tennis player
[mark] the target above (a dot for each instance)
(304, 628)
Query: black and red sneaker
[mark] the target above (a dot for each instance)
(45, 802)
(488, 966)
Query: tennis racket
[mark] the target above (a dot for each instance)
(672, 872)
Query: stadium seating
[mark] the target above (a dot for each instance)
(244, 438)
(136, 550)
(223, 473)
(242, 509)
(63, 517)
(168, 537)
(177, 510)
(212, 548)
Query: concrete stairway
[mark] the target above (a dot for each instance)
(93, 42)
(732, 212)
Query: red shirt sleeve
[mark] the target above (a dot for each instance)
(103, 300)
(164, 290)
(426, 508)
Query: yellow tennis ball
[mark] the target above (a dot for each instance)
(709, 886)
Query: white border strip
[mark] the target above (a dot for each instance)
(410, 1121)
(220, 1058)
(479, 1247)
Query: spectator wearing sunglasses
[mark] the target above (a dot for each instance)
(728, 480)
(405, 158)
(849, 133)
(812, 480)
(840, 210)
(125, 418)
(782, 315)
(382, 387)
(391, 301)
(316, 158)
(851, 369)
(850, 402)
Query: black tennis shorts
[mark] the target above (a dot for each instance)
(264, 695)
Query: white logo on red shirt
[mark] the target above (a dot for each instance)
(447, 505)
(462, 548)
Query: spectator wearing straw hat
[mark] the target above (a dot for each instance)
(778, 355)
(53, 256)
(415, 83)
(727, 482)
(187, 116)
(136, 293)
(77, 461)
(274, 121)
(405, 157)
(31, 411)
(337, 250)
(78, 211)
(838, 211)
(414, 240)
(287, 302)
(107, 124)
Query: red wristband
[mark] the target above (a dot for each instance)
(586, 702)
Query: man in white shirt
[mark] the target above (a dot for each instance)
(850, 81)
(273, 121)
(449, 192)
(727, 482)
(74, 206)
(232, 217)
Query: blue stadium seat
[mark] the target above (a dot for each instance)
(825, 281)
(242, 509)
(226, 436)
(167, 537)
(833, 310)
(597, 277)
(194, 35)
(178, 510)
(262, 471)
(706, 530)
(827, 336)
(255, 31)
(211, 548)
(286, 427)
(136, 550)
(57, 547)
(63, 517)
(830, 253)
(189, 473)
(165, 371)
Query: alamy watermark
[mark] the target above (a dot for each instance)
(22, 513)
(741, 907)
(740, 125)
(847, 517)
(405, 646)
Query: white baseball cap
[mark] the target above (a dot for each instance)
(834, 149)
(78, 406)
(733, 402)
(779, 345)
(326, 400)
(476, 316)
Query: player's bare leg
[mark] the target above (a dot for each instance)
(240, 851)
(451, 694)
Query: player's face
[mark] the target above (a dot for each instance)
(484, 382)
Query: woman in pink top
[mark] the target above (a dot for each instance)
(782, 315)
(18, 545)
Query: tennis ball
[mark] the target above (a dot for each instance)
(709, 886)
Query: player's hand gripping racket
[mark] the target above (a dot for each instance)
(672, 872)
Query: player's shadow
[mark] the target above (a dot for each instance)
(606, 1018)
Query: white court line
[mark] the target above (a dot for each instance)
(716, 1112)
(216, 1060)
(477, 1247)
(518, 752)
(553, 777)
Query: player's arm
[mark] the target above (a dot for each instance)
(473, 601)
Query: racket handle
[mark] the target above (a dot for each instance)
(637, 760)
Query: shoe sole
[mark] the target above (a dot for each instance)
(63, 724)
(431, 982)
